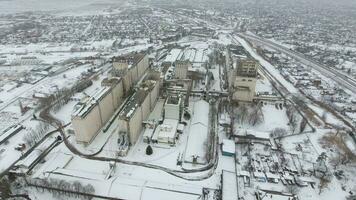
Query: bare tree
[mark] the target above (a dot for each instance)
(89, 189)
(324, 181)
(292, 117)
(293, 123)
(293, 189)
(242, 114)
(323, 116)
(303, 125)
(278, 132)
(35, 135)
(256, 116)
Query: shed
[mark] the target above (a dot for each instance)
(272, 177)
(167, 131)
(260, 176)
(228, 147)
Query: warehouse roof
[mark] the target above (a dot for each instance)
(228, 146)
(85, 106)
(229, 185)
(137, 99)
(131, 59)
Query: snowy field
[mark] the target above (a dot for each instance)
(269, 152)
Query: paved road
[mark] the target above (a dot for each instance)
(340, 78)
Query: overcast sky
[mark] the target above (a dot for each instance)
(15, 6)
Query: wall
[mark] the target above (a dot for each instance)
(154, 95)
(120, 66)
(146, 107)
(134, 74)
(124, 125)
(117, 94)
(142, 66)
(87, 128)
(106, 106)
(181, 71)
(135, 125)
(243, 95)
(127, 83)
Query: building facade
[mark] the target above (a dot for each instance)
(95, 110)
(138, 108)
(181, 69)
(244, 82)
(131, 68)
(173, 108)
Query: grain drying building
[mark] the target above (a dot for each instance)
(131, 68)
(244, 79)
(92, 112)
(138, 107)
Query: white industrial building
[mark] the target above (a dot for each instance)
(131, 68)
(173, 108)
(94, 111)
(137, 109)
(198, 133)
(229, 190)
(244, 78)
(166, 132)
(181, 69)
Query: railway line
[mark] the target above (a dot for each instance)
(340, 78)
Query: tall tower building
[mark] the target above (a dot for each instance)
(244, 85)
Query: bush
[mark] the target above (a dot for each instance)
(149, 150)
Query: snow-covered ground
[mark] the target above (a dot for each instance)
(170, 172)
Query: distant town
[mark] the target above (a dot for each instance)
(203, 100)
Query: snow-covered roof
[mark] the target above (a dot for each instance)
(10, 131)
(180, 127)
(252, 133)
(173, 55)
(198, 132)
(197, 137)
(228, 146)
(244, 173)
(167, 129)
(270, 175)
(91, 101)
(136, 100)
(229, 185)
(288, 177)
(201, 113)
(259, 175)
(306, 179)
(148, 132)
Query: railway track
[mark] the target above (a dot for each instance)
(340, 78)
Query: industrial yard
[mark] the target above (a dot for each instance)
(144, 100)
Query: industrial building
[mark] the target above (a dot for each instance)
(181, 69)
(92, 112)
(229, 189)
(173, 108)
(198, 133)
(244, 80)
(167, 132)
(228, 147)
(138, 107)
(131, 68)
